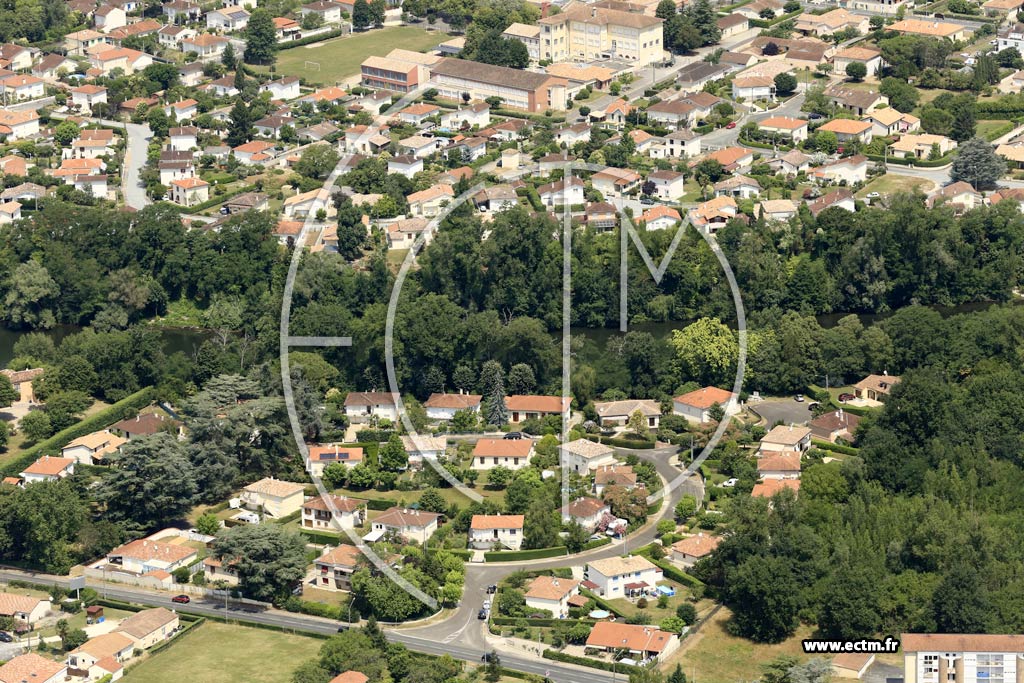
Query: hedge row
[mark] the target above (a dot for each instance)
(597, 543)
(186, 628)
(586, 661)
(919, 163)
(602, 603)
(310, 39)
(539, 623)
(535, 554)
(636, 444)
(835, 447)
(215, 201)
(121, 410)
(761, 23)
(670, 571)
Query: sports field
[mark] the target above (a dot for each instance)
(216, 652)
(339, 58)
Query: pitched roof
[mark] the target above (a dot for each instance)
(632, 637)
(782, 462)
(698, 545)
(836, 420)
(551, 588)
(268, 486)
(403, 517)
(148, 423)
(782, 123)
(105, 645)
(48, 466)
(340, 503)
(879, 383)
(954, 642)
(538, 404)
(786, 435)
(847, 126)
(705, 398)
(146, 550)
(602, 16)
(335, 453)
(141, 624)
(344, 555)
(617, 566)
(769, 487)
(370, 398)
(584, 507)
(30, 667)
(12, 603)
(585, 448)
(502, 448)
(489, 522)
(350, 677)
(499, 76)
(457, 401)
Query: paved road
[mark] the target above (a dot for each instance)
(134, 191)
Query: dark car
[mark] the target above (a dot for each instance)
(846, 397)
(6, 637)
(493, 588)
(481, 615)
(183, 599)
(514, 435)
(813, 116)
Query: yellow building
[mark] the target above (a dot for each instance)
(585, 33)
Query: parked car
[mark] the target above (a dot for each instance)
(514, 435)
(799, 398)
(482, 614)
(182, 599)
(873, 195)
(492, 589)
(6, 637)
(843, 398)
(487, 603)
(731, 125)
(729, 483)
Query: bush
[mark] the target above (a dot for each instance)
(687, 612)
(535, 554)
(586, 661)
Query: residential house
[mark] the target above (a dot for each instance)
(52, 66)
(668, 185)
(352, 676)
(851, 169)
(713, 214)
(660, 217)
(923, 146)
(361, 405)
(678, 144)
(87, 96)
(467, 150)
(18, 125)
(889, 121)
(754, 9)
(552, 594)
(643, 643)
(1011, 36)
(91, 660)
(24, 608)
(677, 113)
(20, 87)
(322, 456)
(875, 387)
(733, 159)
(34, 668)
(48, 468)
(285, 88)
(618, 413)
(108, 17)
(182, 110)
(205, 46)
(616, 182)
(149, 627)
(17, 57)
(695, 76)
(421, 146)
(227, 19)
(276, 498)
(522, 90)
(334, 568)
(840, 198)
(838, 425)
(329, 12)
(562, 192)
(869, 57)
(260, 150)
(93, 449)
(753, 88)
(696, 406)
(692, 549)
(444, 406)
(738, 187)
(182, 11)
(786, 438)
(583, 456)
(473, 116)
(306, 203)
(786, 127)
(10, 212)
(127, 60)
(614, 475)
(622, 577)
(496, 531)
(513, 454)
(587, 512)
(779, 465)
(78, 43)
(145, 555)
(330, 513)
(930, 29)
(601, 216)
(770, 487)
(184, 138)
(583, 33)
(495, 198)
(405, 165)
(846, 130)
(189, 191)
(791, 163)
(780, 210)
(860, 102)
(530, 406)
(271, 126)
(733, 25)
(403, 233)
(960, 195)
(411, 525)
(829, 23)
(171, 35)
(852, 664)
(420, 446)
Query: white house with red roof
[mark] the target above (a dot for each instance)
(527, 407)
(513, 454)
(620, 577)
(661, 217)
(189, 191)
(322, 456)
(330, 513)
(48, 468)
(444, 406)
(496, 531)
(411, 525)
(642, 642)
(696, 405)
(691, 549)
(587, 512)
(552, 594)
(781, 465)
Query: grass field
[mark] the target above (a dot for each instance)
(892, 184)
(340, 58)
(219, 652)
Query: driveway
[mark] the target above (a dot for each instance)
(879, 672)
(784, 410)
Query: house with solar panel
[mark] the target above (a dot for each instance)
(322, 456)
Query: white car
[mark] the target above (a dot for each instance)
(729, 483)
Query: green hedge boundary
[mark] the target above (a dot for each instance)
(586, 661)
(535, 554)
(634, 444)
(124, 408)
(602, 603)
(919, 163)
(835, 447)
(761, 23)
(597, 543)
(330, 35)
(670, 571)
(539, 623)
(215, 201)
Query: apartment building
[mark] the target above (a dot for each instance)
(586, 33)
(962, 658)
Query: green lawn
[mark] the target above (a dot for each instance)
(340, 58)
(990, 130)
(214, 652)
(892, 184)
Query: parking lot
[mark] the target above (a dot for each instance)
(784, 410)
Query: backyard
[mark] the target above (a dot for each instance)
(219, 652)
(893, 184)
(340, 58)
